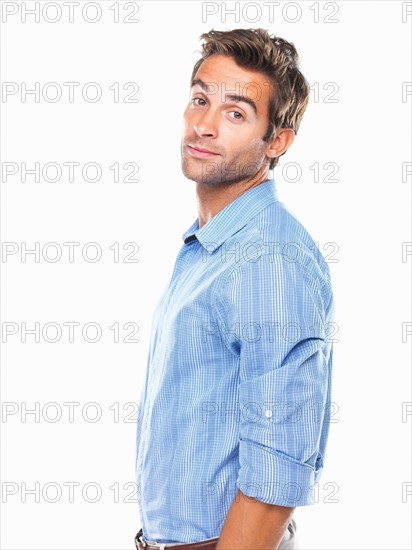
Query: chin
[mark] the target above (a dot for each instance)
(190, 174)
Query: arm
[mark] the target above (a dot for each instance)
(284, 388)
(253, 525)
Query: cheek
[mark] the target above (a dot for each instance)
(185, 115)
(257, 144)
(247, 144)
(187, 120)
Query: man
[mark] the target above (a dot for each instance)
(233, 413)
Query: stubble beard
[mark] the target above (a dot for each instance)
(244, 166)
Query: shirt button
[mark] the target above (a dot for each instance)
(268, 413)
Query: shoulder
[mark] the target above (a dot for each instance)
(275, 241)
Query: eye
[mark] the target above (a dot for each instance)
(238, 116)
(194, 99)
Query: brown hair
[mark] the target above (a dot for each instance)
(274, 57)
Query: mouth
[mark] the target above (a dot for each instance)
(200, 153)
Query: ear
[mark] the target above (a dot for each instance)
(280, 143)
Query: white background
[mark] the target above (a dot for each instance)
(366, 213)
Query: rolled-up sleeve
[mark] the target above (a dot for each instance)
(274, 315)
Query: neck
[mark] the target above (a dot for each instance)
(211, 199)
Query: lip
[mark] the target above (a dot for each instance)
(200, 153)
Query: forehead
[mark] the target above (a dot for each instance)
(223, 75)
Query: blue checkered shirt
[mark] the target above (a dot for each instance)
(238, 380)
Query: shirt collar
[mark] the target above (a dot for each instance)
(233, 217)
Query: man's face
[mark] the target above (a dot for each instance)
(227, 115)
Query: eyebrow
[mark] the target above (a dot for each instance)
(231, 97)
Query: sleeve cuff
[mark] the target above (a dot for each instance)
(275, 478)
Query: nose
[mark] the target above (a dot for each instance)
(206, 125)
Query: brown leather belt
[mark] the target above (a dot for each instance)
(142, 544)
